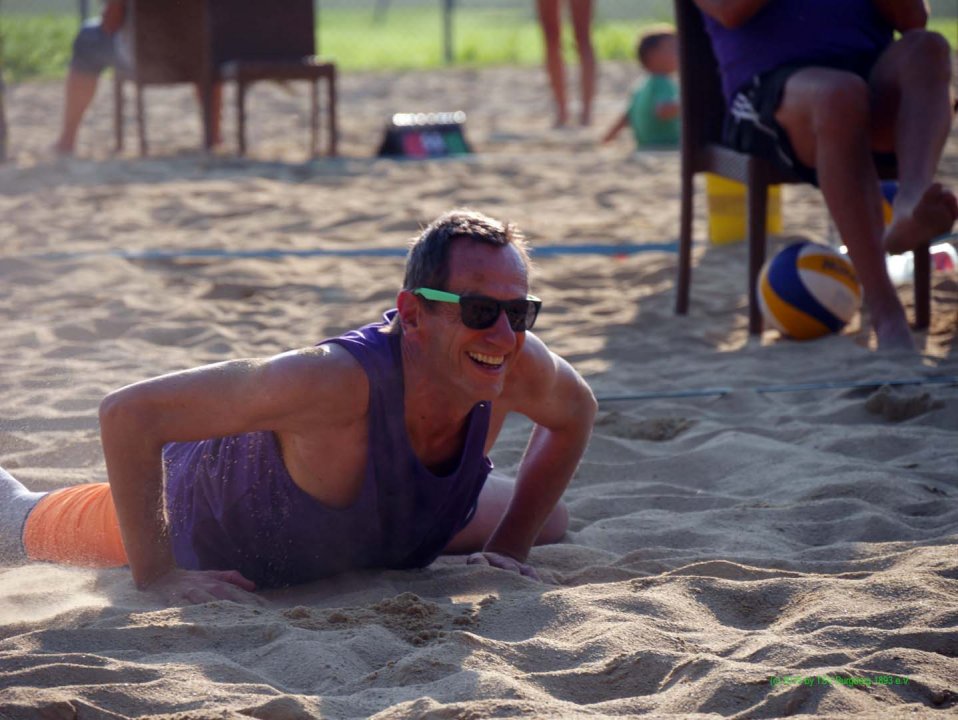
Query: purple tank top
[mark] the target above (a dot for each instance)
(797, 31)
(233, 505)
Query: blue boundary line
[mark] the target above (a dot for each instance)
(274, 253)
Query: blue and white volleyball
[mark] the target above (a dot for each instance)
(808, 290)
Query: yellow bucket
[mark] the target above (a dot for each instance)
(728, 212)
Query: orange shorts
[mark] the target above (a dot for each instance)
(75, 526)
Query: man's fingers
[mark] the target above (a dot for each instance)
(503, 562)
(197, 596)
(203, 586)
(235, 577)
(529, 572)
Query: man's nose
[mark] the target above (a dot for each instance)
(501, 332)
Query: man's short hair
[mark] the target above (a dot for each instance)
(427, 263)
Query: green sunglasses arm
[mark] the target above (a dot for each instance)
(438, 295)
(443, 296)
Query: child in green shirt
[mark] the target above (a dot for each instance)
(653, 111)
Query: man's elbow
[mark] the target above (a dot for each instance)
(588, 405)
(122, 412)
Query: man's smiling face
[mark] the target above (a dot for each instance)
(475, 362)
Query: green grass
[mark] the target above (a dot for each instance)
(947, 27)
(413, 38)
(38, 45)
(35, 45)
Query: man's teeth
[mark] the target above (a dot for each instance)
(487, 359)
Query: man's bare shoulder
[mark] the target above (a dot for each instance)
(534, 371)
(326, 377)
(545, 388)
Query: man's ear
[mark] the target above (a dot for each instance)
(409, 310)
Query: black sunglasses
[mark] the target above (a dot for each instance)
(479, 312)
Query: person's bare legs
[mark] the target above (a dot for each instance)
(912, 113)
(550, 20)
(493, 501)
(581, 11)
(78, 93)
(827, 116)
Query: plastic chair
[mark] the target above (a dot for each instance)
(703, 112)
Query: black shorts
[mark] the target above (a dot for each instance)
(750, 124)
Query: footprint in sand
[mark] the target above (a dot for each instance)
(900, 405)
(655, 429)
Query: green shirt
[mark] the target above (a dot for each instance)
(648, 129)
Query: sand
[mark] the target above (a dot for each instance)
(736, 548)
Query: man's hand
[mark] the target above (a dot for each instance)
(199, 586)
(497, 560)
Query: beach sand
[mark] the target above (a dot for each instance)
(736, 548)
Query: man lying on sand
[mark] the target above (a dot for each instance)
(369, 450)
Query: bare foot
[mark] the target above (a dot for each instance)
(892, 331)
(62, 149)
(934, 215)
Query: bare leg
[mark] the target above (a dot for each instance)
(551, 22)
(827, 116)
(16, 502)
(912, 112)
(493, 501)
(582, 27)
(78, 94)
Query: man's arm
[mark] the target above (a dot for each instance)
(284, 394)
(731, 13)
(904, 15)
(563, 408)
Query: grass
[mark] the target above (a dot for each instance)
(39, 45)
(35, 46)
(413, 38)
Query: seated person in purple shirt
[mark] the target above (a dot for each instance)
(818, 86)
(369, 450)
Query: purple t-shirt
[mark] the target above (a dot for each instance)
(797, 31)
(233, 505)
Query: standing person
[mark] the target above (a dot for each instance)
(653, 111)
(103, 43)
(550, 19)
(819, 86)
(367, 450)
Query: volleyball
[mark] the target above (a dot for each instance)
(808, 290)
